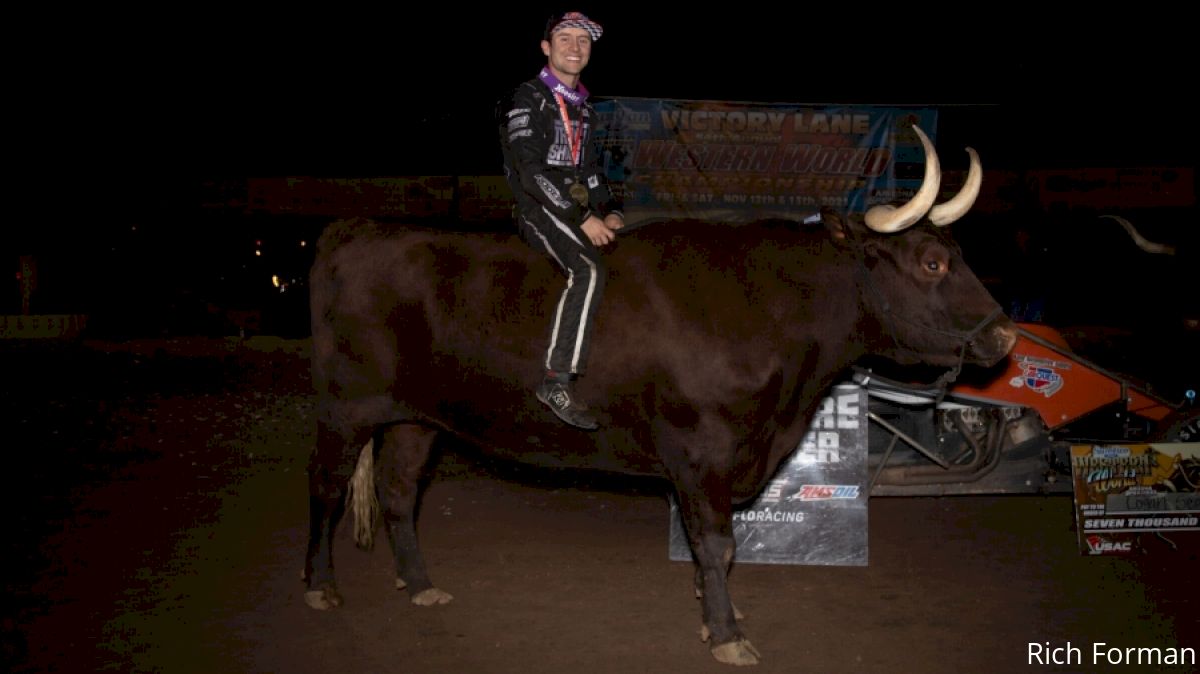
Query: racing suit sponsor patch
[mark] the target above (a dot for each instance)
(551, 191)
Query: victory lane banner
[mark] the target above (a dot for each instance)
(814, 511)
(1129, 498)
(735, 162)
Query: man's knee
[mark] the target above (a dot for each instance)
(589, 264)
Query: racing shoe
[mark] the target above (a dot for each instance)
(561, 400)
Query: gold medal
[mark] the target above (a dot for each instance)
(579, 193)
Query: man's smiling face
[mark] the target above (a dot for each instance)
(568, 51)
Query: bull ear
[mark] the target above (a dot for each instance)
(870, 248)
(833, 222)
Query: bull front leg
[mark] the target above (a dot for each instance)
(706, 508)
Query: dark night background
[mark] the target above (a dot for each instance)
(363, 93)
(121, 120)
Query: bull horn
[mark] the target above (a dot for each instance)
(887, 218)
(1141, 241)
(946, 213)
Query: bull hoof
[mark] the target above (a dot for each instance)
(736, 653)
(325, 599)
(432, 597)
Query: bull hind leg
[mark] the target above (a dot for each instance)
(403, 453)
(329, 470)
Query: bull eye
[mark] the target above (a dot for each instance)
(935, 266)
(934, 260)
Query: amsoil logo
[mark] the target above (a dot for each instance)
(825, 492)
(1098, 545)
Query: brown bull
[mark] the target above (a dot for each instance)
(713, 348)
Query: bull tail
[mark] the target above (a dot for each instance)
(360, 494)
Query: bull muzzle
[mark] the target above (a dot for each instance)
(995, 341)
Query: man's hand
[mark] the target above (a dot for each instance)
(598, 231)
(614, 221)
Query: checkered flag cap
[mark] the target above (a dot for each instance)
(573, 20)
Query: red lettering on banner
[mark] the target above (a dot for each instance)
(797, 158)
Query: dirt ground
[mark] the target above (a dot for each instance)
(158, 497)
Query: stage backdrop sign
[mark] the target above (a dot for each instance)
(1137, 498)
(734, 162)
(814, 511)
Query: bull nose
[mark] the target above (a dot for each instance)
(995, 342)
(1007, 334)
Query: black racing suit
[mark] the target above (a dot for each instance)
(540, 170)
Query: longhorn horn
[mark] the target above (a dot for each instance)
(946, 213)
(886, 218)
(1141, 241)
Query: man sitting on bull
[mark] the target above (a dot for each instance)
(564, 207)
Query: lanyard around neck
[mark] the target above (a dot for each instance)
(574, 140)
